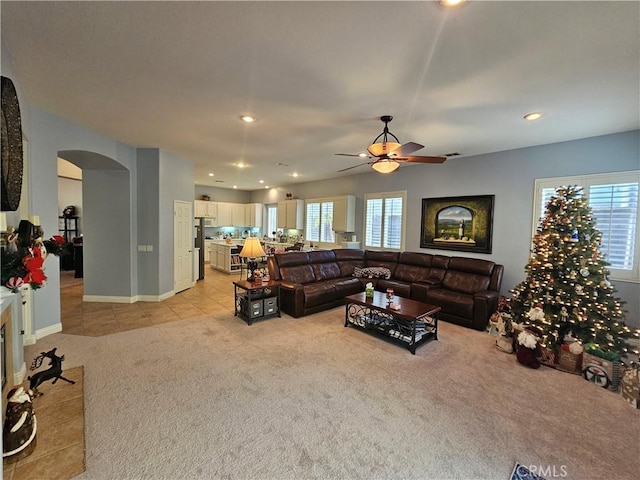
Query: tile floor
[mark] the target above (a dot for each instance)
(92, 319)
(59, 451)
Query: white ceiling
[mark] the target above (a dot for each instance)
(177, 75)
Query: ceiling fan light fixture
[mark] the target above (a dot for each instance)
(385, 166)
(533, 116)
(382, 148)
(452, 3)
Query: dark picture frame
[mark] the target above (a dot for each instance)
(464, 224)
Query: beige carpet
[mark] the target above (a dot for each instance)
(285, 398)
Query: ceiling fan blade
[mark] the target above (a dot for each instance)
(351, 155)
(421, 159)
(355, 166)
(404, 150)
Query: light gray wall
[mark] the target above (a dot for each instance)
(108, 254)
(222, 194)
(176, 183)
(508, 175)
(148, 184)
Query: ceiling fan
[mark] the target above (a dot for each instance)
(388, 155)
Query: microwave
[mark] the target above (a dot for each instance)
(210, 222)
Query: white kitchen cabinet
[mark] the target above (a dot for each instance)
(253, 214)
(209, 251)
(224, 214)
(205, 209)
(238, 218)
(291, 214)
(344, 213)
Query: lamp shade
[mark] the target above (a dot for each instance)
(252, 248)
(382, 148)
(385, 166)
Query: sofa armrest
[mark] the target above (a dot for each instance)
(485, 303)
(292, 298)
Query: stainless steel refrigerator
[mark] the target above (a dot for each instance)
(199, 243)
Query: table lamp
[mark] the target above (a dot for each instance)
(252, 249)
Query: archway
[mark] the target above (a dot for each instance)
(108, 267)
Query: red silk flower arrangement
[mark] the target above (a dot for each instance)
(23, 257)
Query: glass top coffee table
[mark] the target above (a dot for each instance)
(412, 324)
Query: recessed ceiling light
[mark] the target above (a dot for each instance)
(362, 155)
(211, 174)
(241, 165)
(235, 186)
(294, 174)
(266, 186)
(248, 118)
(260, 181)
(533, 116)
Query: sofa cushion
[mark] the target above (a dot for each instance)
(463, 282)
(471, 265)
(376, 258)
(347, 286)
(411, 273)
(348, 259)
(298, 274)
(326, 271)
(401, 289)
(453, 303)
(319, 293)
(416, 258)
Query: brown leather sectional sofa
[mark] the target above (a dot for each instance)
(466, 289)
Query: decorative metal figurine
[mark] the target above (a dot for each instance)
(54, 372)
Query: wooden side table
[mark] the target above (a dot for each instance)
(256, 300)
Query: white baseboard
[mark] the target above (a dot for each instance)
(134, 299)
(29, 340)
(50, 330)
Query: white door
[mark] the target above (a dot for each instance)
(182, 245)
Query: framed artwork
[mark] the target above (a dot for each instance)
(457, 223)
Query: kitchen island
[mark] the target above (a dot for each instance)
(225, 257)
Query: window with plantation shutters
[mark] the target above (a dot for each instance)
(613, 200)
(319, 223)
(272, 219)
(384, 220)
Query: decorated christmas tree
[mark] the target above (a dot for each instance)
(566, 291)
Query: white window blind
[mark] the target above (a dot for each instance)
(373, 223)
(393, 222)
(385, 220)
(272, 219)
(613, 199)
(326, 222)
(312, 230)
(615, 207)
(319, 223)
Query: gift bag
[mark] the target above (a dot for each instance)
(604, 373)
(630, 386)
